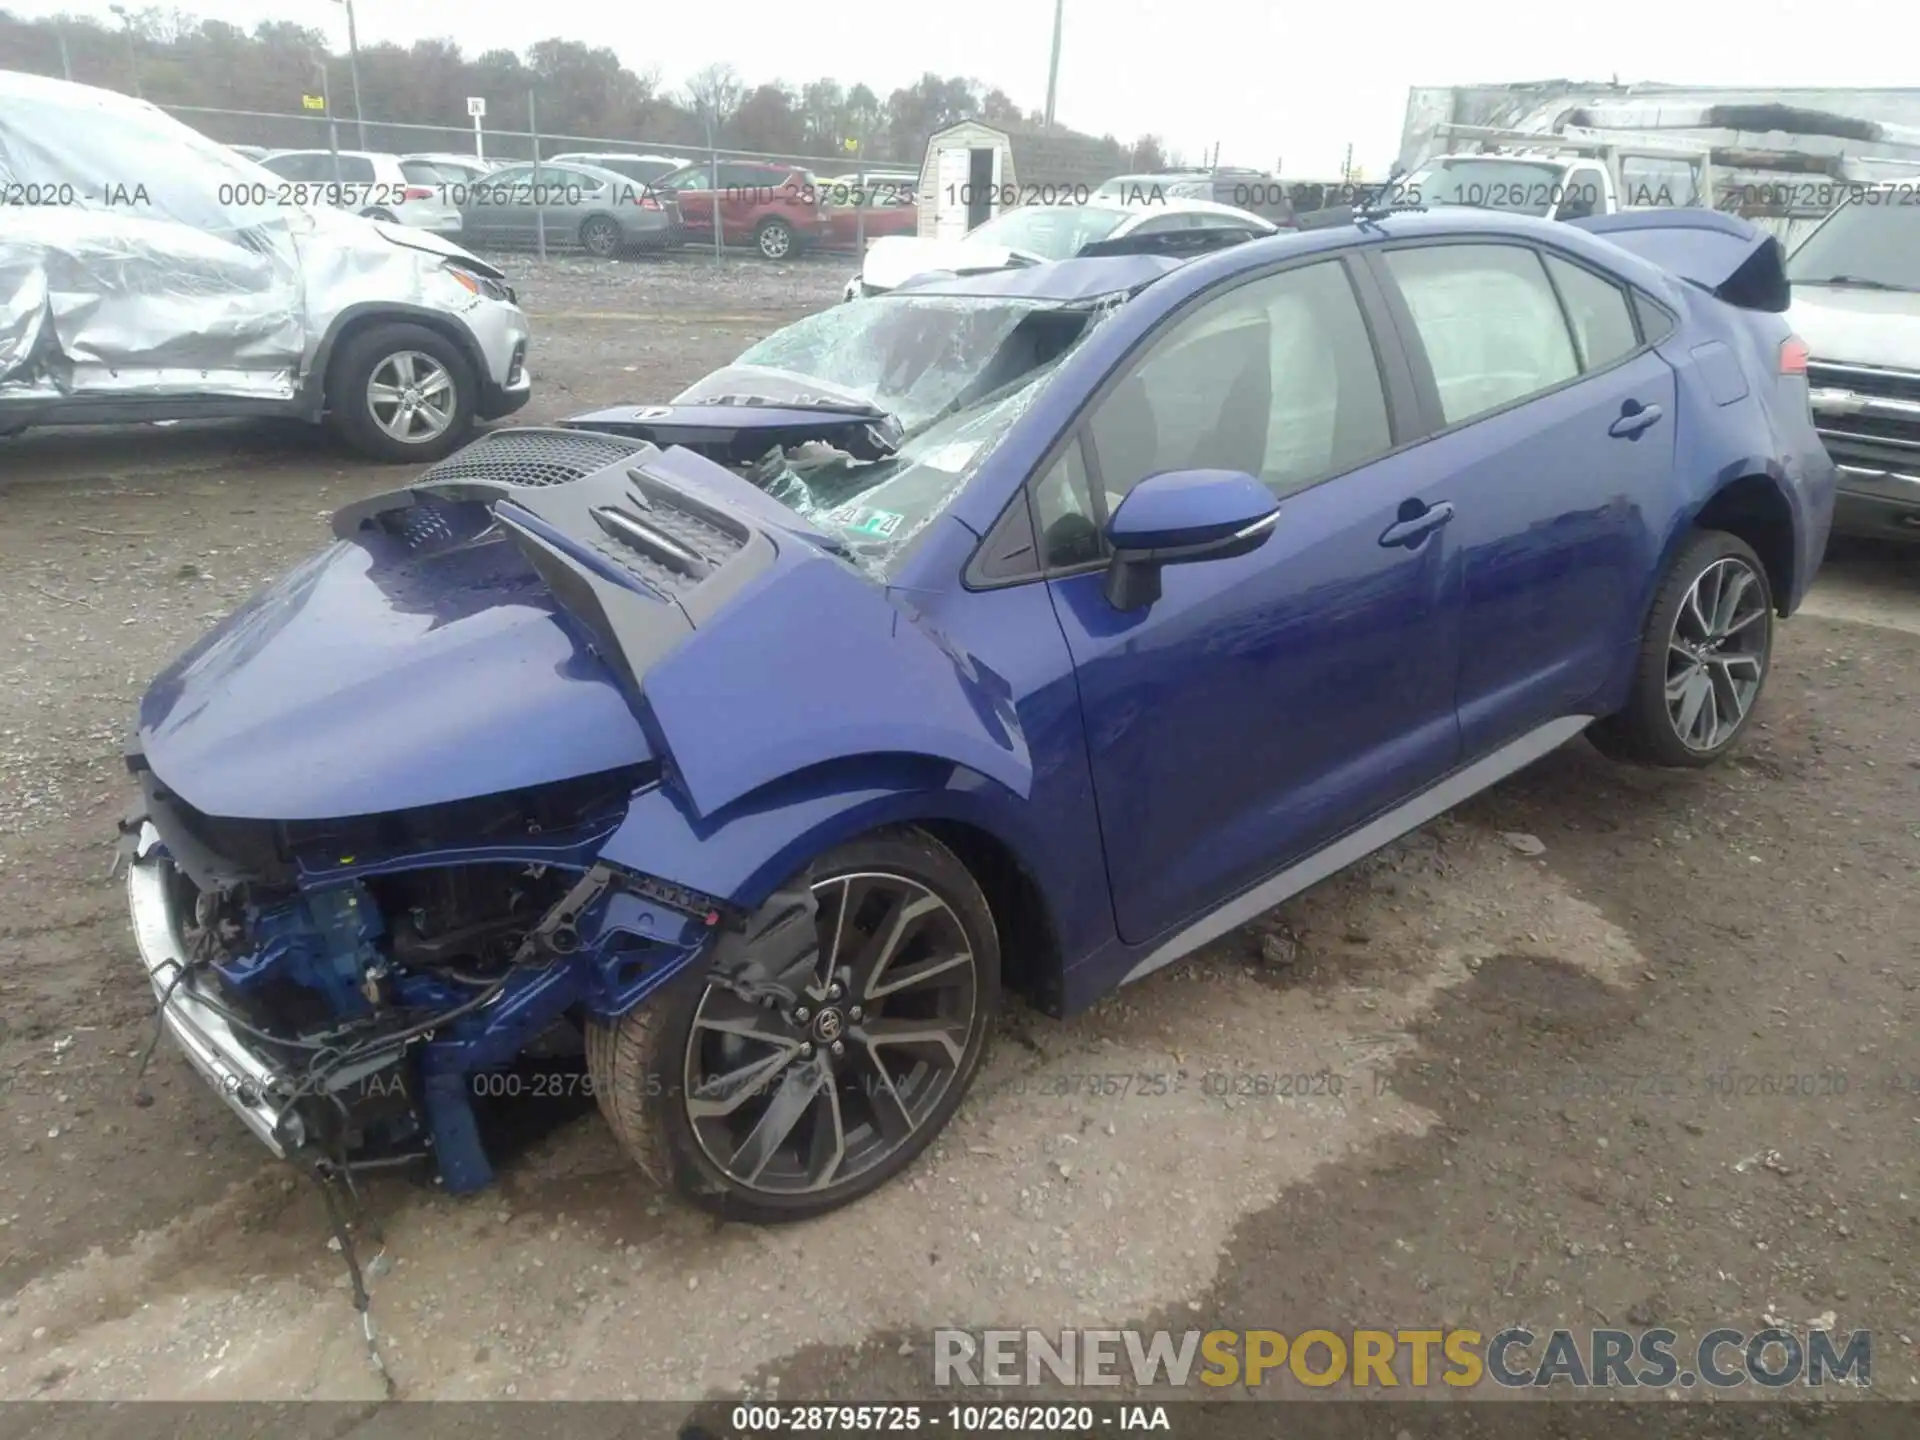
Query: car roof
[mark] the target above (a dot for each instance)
(1183, 206)
(1059, 281)
(345, 154)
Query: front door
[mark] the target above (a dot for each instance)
(1558, 443)
(1265, 704)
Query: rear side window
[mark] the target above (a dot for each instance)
(355, 169)
(1489, 321)
(1602, 321)
(1655, 323)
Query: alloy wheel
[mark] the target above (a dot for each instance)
(600, 238)
(1717, 654)
(795, 1099)
(775, 241)
(411, 397)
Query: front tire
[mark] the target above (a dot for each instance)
(1704, 659)
(401, 393)
(767, 1111)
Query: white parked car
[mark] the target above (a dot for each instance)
(197, 291)
(378, 186)
(1034, 234)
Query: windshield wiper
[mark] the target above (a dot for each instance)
(1858, 282)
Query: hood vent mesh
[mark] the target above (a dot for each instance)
(532, 458)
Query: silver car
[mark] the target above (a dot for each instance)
(148, 273)
(576, 205)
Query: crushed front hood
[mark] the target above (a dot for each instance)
(549, 604)
(362, 684)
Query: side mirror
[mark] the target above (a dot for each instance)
(1180, 517)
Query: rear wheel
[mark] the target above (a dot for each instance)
(600, 237)
(774, 239)
(1703, 659)
(781, 1109)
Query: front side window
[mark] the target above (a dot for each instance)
(1489, 322)
(1276, 378)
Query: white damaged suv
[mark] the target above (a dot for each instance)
(148, 273)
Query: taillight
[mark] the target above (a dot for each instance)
(416, 192)
(1793, 356)
(646, 201)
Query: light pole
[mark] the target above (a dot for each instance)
(353, 69)
(1053, 66)
(133, 54)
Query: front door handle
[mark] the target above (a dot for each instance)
(1629, 426)
(1414, 528)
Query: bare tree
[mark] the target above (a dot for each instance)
(715, 96)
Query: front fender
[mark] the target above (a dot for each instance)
(745, 852)
(819, 667)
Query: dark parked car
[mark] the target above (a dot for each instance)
(1015, 632)
(777, 209)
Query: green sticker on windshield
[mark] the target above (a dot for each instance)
(878, 523)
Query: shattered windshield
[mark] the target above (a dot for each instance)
(910, 356)
(1053, 232)
(955, 371)
(1868, 243)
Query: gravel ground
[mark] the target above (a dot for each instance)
(1563, 1019)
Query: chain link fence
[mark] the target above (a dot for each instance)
(315, 131)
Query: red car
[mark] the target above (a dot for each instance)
(890, 210)
(778, 209)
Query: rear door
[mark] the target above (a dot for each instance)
(746, 192)
(694, 190)
(1555, 437)
(499, 208)
(1266, 704)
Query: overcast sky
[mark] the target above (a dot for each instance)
(1270, 83)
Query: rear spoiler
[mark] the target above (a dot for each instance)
(1732, 259)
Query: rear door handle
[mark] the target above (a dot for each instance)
(1628, 426)
(1410, 531)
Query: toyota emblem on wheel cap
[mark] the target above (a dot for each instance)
(828, 1025)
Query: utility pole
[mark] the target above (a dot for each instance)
(1053, 66)
(133, 52)
(353, 69)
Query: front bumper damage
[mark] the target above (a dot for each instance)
(604, 947)
(253, 1088)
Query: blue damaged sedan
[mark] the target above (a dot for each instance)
(1011, 634)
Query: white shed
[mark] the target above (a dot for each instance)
(967, 172)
